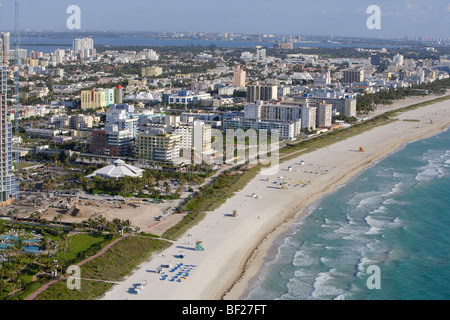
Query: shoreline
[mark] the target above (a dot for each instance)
(267, 249)
(264, 251)
(237, 248)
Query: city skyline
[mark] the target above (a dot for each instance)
(399, 18)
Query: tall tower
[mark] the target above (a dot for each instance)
(16, 88)
(239, 77)
(7, 44)
(7, 178)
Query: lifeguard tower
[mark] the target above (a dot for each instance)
(199, 246)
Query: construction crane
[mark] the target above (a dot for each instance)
(16, 85)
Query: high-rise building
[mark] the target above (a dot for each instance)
(239, 77)
(309, 117)
(158, 145)
(36, 55)
(345, 106)
(150, 54)
(189, 132)
(6, 39)
(123, 116)
(94, 99)
(262, 92)
(398, 59)
(110, 141)
(353, 75)
(324, 115)
(195, 135)
(83, 44)
(375, 60)
(84, 47)
(261, 54)
(7, 177)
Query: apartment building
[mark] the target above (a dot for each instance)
(262, 92)
(110, 141)
(7, 177)
(158, 145)
(93, 99)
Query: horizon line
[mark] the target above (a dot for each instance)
(379, 37)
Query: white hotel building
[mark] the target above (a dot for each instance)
(289, 119)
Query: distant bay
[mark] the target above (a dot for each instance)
(48, 45)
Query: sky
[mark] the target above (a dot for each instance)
(398, 18)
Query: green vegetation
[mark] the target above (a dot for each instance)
(23, 273)
(364, 102)
(154, 182)
(82, 245)
(188, 221)
(115, 264)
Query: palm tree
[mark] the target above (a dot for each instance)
(126, 224)
(166, 187)
(91, 224)
(19, 244)
(64, 240)
(38, 216)
(45, 244)
(103, 222)
(59, 217)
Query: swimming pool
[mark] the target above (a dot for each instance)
(31, 245)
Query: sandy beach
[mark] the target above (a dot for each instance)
(236, 247)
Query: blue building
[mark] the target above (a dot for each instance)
(185, 97)
(123, 116)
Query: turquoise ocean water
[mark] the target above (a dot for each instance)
(395, 215)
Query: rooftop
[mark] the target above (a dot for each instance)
(118, 169)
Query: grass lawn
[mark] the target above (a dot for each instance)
(82, 243)
(23, 165)
(114, 265)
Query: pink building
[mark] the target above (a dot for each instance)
(239, 77)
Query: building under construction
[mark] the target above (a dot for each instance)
(7, 177)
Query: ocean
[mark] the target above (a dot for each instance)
(394, 217)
